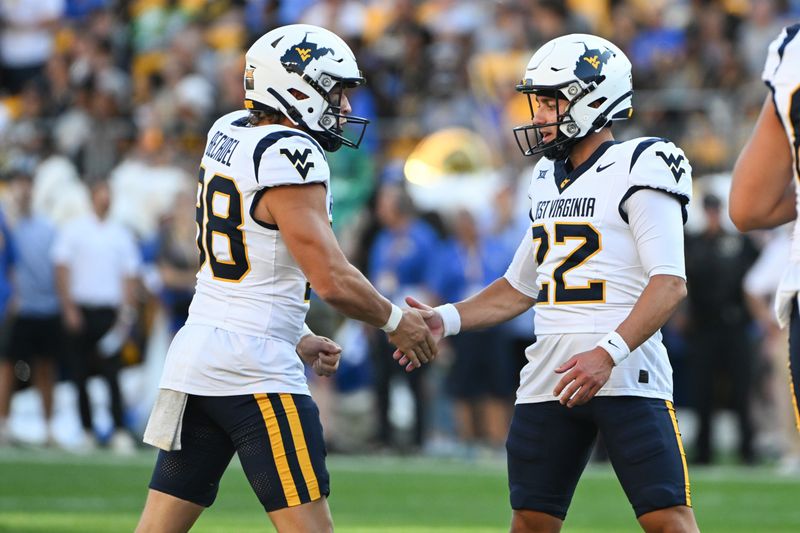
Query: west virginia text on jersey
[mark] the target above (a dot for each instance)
(576, 214)
(588, 274)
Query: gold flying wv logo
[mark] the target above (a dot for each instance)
(305, 53)
(564, 182)
(594, 61)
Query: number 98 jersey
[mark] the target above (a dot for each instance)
(248, 282)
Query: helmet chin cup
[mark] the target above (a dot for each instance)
(567, 131)
(334, 138)
(332, 135)
(557, 149)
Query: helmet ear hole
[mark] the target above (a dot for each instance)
(299, 95)
(597, 103)
(310, 109)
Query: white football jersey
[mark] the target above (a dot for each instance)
(782, 76)
(248, 283)
(584, 267)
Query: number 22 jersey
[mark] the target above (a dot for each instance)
(251, 296)
(581, 259)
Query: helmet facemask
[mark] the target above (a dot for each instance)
(568, 131)
(333, 120)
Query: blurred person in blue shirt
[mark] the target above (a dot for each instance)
(399, 264)
(482, 378)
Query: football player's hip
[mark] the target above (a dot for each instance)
(579, 319)
(646, 372)
(228, 388)
(277, 318)
(211, 361)
(604, 392)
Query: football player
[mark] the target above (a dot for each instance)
(232, 380)
(603, 262)
(763, 193)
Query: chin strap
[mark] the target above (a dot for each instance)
(291, 111)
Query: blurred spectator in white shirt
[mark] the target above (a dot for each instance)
(97, 263)
(26, 41)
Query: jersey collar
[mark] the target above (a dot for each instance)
(565, 175)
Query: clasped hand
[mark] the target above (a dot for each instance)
(425, 322)
(320, 353)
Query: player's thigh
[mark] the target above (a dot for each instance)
(794, 361)
(548, 447)
(280, 445)
(524, 521)
(164, 513)
(193, 472)
(311, 517)
(679, 519)
(645, 448)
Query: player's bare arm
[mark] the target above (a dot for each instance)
(762, 192)
(495, 304)
(299, 210)
(586, 373)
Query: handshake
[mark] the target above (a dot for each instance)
(418, 329)
(417, 334)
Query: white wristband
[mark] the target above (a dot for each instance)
(394, 320)
(616, 347)
(450, 318)
(306, 331)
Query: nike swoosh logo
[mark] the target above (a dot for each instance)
(610, 341)
(602, 168)
(554, 69)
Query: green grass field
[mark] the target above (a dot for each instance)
(47, 492)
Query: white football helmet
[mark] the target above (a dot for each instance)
(301, 71)
(592, 75)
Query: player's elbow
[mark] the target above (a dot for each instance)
(330, 286)
(330, 293)
(681, 292)
(670, 288)
(676, 287)
(745, 219)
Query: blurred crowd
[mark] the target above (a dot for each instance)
(104, 108)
